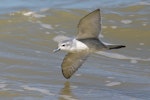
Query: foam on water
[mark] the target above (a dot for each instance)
(48, 26)
(2, 86)
(28, 13)
(110, 77)
(104, 27)
(139, 49)
(133, 61)
(141, 43)
(110, 82)
(43, 25)
(47, 33)
(67, 97)
(44, 91)
(144, 24)
(113, 27)
(113, 83)
(37, 51)
(60, 32)
(77, 74)
(126, 21)
(32, 14)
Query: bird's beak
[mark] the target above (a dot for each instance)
(56, 50)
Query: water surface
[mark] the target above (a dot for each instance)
(29, 70)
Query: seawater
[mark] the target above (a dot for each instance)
(29, 70)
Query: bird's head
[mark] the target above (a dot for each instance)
(64, 45)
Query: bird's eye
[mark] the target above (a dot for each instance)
(63, 45)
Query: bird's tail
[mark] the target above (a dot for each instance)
(112, 46)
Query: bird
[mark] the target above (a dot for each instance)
(85, 43)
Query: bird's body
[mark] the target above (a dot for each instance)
(93, 44)
(78, 46)
(85, 43)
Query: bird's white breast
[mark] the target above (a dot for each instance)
(78, 46)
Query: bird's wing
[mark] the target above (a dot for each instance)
(90, 25)
(72, 62)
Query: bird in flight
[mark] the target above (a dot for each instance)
(85, 43)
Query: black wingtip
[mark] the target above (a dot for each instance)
(66, 75)
(117, 47)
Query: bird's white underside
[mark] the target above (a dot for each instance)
(78, 46)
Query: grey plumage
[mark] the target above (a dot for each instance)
(72, 62)
(90, 25)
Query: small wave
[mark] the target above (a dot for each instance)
(144, 24)
(44, 91)
(113, 83)
(33, 14)
(120, 56)
(110, 77)
(37, 51)
(38, 15)
(133, 61)
(48, 26)
(77, 74)
(67, 97)
(28, 13)
(47, 33)
(139, 49)
(113, 27)
(104, 27)
(2, 86)
(141, 43)
(127, 21)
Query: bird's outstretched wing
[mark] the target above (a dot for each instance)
(72, 62)
(90, 25)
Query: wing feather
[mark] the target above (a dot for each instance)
(90, 25)
(72, 62)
